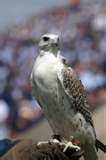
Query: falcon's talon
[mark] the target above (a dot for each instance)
(54, 141)
(42, 142)
(57, 136)
(70, 145)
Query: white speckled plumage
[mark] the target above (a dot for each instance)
(60, 94)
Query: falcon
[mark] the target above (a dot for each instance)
(61, 95)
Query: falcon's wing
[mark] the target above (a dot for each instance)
(74, 89)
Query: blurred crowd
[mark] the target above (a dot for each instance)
(82, 30)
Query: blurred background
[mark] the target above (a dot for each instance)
(81, 25)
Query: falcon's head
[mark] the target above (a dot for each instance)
(49, 42)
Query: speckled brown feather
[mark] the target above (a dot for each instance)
(74, 88)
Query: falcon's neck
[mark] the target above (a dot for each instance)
(54, 51)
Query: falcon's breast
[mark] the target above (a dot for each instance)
(45, 72)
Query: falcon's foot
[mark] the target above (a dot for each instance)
(69, 145)
(51, 141)
(42, 142)
(57, 139)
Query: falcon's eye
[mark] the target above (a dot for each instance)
(46, 39)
